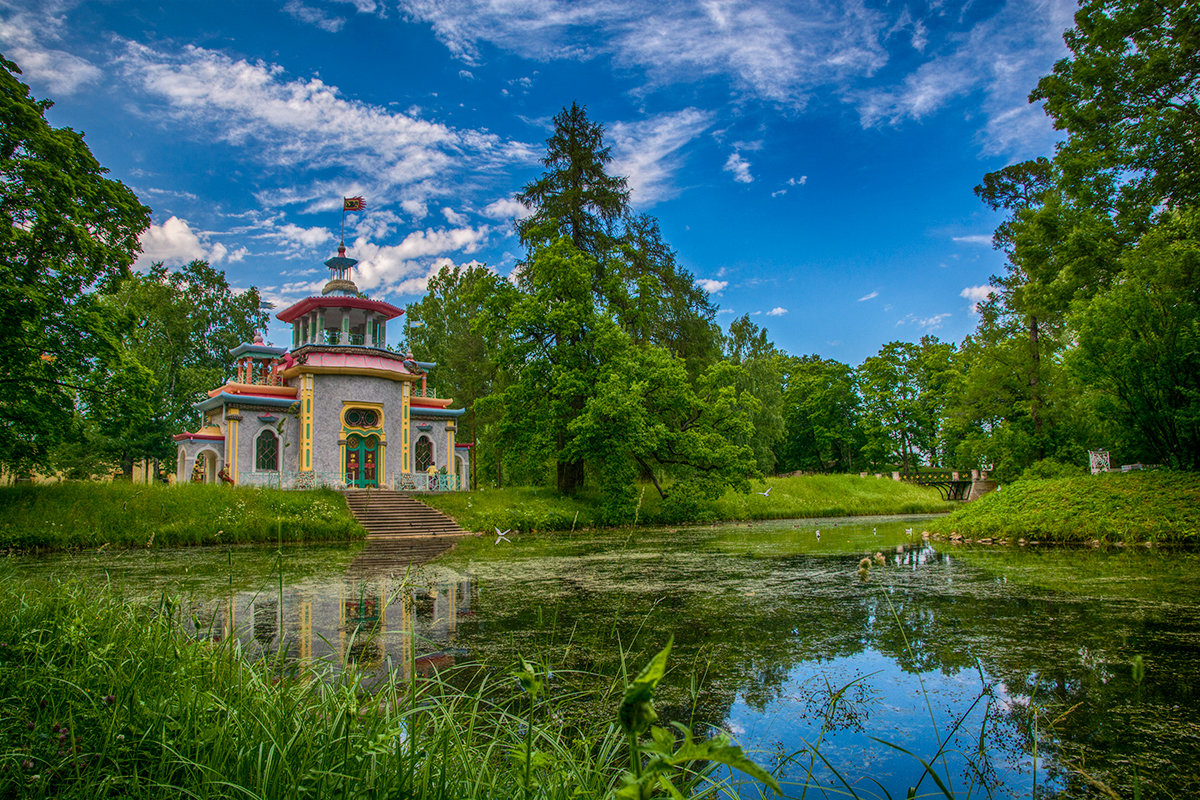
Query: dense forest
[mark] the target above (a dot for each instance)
(599, 361)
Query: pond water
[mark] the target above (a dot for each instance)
(1017, 659)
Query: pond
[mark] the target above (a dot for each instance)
(1009, 668)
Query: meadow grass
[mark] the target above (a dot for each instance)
(103, 697)
(523, 508)
(1151, 506)
(87, 514)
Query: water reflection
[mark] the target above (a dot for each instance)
(404, 616)
(1011, 647)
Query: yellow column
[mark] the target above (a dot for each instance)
(306, 416)
(231, 444)
(452, 469)
(405, 420)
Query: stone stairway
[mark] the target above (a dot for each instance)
(395, 515)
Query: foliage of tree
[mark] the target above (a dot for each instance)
(447, 327)
(575, 198)
(761, 375)
(821, 410)
(1083, 342)
(173, 333)
(905, 389)
(67, 234)
(590, 265)
(1129, 97)
(1139, 346)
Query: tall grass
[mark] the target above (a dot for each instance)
(86, 514)
(525, 508)
(107, 698)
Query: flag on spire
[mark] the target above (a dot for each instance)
(353, 204)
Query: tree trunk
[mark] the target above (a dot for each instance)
(1035, 412)
(570, 476)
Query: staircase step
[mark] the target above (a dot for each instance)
(390, 515)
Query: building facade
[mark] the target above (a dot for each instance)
(337, 408)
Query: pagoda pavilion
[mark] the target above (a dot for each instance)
(337, 408)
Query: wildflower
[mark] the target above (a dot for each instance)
(109, 699)
(27, 764)
(31, 726)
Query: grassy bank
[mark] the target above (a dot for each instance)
(524, 509)
(105, 698)
(1156, 506)
(69, 515)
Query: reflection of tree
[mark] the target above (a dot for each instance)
(1059, 659)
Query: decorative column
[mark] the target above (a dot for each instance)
(452, 468)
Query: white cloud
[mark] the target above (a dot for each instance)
(313, 16)
(295, 235)
(977, 294)
(1001, 58)
(868, 296)
(28, 35)
(648, 152)
(774, 50)
(740, 168)
(303, 127)
(925, 323)
(394, 268)
(777, 311)
(506, 208)
(803, 179)
(711, 286)
(175, 243)
(453, 217)
(973, 239)
(721, 311)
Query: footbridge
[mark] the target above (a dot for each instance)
(961, 486)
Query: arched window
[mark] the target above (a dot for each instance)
(267, 452)
(423, 453)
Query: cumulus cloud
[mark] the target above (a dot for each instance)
(453, 217)
(977, 294)
(402, 267)
(175, 243)
(506, 208)
(740, 168)
(711, 286)
(649, 152)
(777, 311)
(295, 235)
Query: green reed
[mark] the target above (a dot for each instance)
(107, 697)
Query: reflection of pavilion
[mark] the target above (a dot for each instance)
(404, 621)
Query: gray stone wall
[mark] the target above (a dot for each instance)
(330, 395)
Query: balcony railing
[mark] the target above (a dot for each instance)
(400, 481)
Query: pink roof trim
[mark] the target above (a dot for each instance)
(293, 312)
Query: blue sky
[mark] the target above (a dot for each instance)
(812, 163)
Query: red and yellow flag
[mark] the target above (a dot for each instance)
(353, 204)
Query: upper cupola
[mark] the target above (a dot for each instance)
(339, 274)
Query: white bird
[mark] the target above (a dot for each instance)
(503, 537)
(767, 492)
